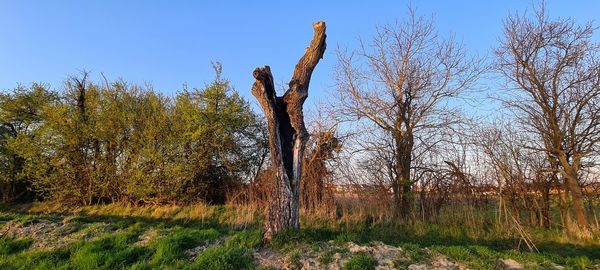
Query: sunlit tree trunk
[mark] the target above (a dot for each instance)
(287, 133)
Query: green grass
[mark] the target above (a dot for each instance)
(224, 258)
(173, 246)
(326, 257)
(118, 249)
(479, 252)
(361, 262)
(9, 246)
(112, 241)
(112, 252)
(482, 257)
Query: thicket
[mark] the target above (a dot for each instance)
(91, 142)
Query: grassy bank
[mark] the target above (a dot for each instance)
(47, 236)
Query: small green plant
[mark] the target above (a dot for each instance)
(414, 253)
(314, 246)
(361, 261)
(294, 257)
(579, 262)
(326, 257)
(467, 254)
(346, 237)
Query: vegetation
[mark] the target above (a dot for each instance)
(124, 237)
(94, 143)
(113, 175)
(361, 262)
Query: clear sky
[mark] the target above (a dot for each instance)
(168, 43)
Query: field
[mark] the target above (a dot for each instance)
(45, 236)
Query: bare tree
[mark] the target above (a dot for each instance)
(553, 69)
(287, 132)
(401, 83)
(523, 179)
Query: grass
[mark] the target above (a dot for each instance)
(361, 262)
(10, 246)
(326, 257)
(479, 253)
(119, 248)
(172, 247)
(224, 258)
(112, 237)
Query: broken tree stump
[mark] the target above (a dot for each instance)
(287, 133)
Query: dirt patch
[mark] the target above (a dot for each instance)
(328, 256)
(439, 262)
(333, 257)
(193, 253)
(32, 229)
(48, 234)
(147, 237)
(510, 264)
(274, 260)
(385, 255)
(270, 259)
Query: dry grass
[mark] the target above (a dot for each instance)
(233, 216)
(350, 215)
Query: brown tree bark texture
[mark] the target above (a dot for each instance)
(287, 132)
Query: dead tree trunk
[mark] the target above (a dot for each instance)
(287, 133)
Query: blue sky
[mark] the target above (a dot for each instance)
(168, 43)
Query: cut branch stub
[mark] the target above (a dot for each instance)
(287, 132)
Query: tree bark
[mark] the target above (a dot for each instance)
(571, 183)
(403, 197)
(545, 215)
(287, 133)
